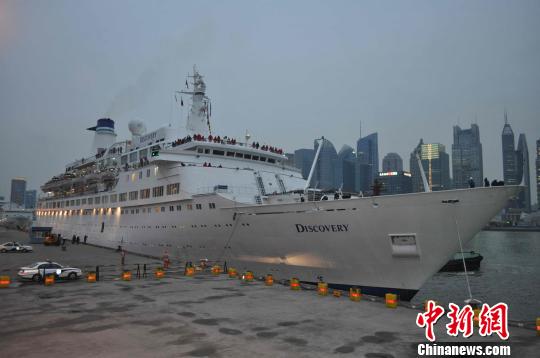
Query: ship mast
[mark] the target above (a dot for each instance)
(198, 119)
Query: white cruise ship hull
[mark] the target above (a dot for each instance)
(381, 244)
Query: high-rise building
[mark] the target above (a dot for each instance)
(303, 159)
(349, 176)
(509, 154)
(324, 175)
(538, 173)
(346, 153)
(392, 162)
(523, 173)
(18, 187)
(467, 157)
(362, 176)
(367, 151)
(436, 164)
(30, 197)
(395, 182)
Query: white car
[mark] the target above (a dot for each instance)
(36, 271)
(13, 246)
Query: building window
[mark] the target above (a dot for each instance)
(105, 199)
(171, 208)
(114, 198)
(123, 160)
(198, 206)
(212, 205)
(78, 202)
(145, 193)
(83, 202)
(123, 197)
(157, 191)
(178, 207)
(189, 206)
(173, 189)
(133, 195)
(132, 157)
(162, 209)
(140, 174)
(147, 173)
(143, 153)
(90, 201)
(97, 200)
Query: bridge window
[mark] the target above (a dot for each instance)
(173, 189)
(218, 152)
(114, 198)
(157, 191)
(123, 197)
(133, 195)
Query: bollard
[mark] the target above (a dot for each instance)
(269, 280)
(322, 289)
(91, 277)
(247, 276)
(4, 281)
(336, 293)
(190, 271)
(391, 300)
(354, 294)
(476, 317)
(232, 272)
(538, 326)
(159, 273)
(426, 304)
(295, 284)
(49, 280)
(216, 270)
(126, 275)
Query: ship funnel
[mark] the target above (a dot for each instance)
(105, 135)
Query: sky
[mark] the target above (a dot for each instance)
(286, 71)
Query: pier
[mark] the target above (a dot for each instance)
(200, 316)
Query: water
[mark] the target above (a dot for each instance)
(509, 273)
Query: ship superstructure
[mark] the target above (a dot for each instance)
(198, 195)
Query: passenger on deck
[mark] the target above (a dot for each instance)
(486, 182)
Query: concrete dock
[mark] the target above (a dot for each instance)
(200, 316)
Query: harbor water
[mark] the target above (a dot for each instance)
(509, 273)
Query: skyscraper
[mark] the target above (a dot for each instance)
(303, 159)
(346, 153)
(392, 162)
(18, 187)
(367, 151)
(538, 173)
(523, 173)
(467, 157)
(324, 175)
(395, 182)
(509, 154)
(30, 199)
(436, 164)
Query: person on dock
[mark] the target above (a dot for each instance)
(471, 182)
(85, 238)
(486, 182)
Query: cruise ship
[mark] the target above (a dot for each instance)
(194, 195)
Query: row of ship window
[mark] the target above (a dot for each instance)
(158, 191)
(157, 209)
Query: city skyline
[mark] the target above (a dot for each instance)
(339, 62)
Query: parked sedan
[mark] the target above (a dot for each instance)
(36, 271)
(13, 246)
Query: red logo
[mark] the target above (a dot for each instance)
(429, 318)
(494, 320)
(460, 321)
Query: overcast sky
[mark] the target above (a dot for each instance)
(287, 71)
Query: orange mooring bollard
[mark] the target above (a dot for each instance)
(269, 280)
(538, 326)
(336, 293)
(216, 270)
(91, 277)
(49, 280)
(126, 276)
(159, 273)
(247, 276)
(322, 289)
(391, 300)
(190, 271)
(5, 281)
(295, 284)
(232, 272)
(354, 294)
(476, 317)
